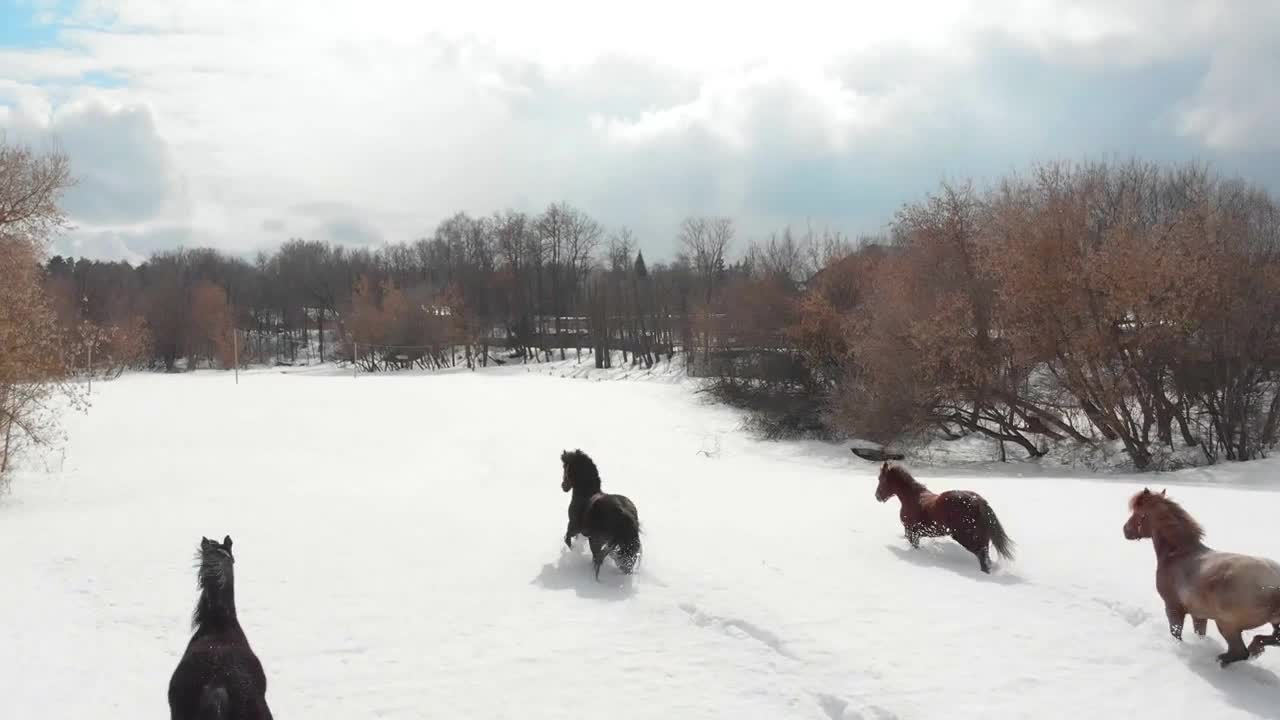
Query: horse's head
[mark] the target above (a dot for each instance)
(566, 480)
(887, 485)
(1140, 508)
(215, 563)
(1155, 516)
(579, 470)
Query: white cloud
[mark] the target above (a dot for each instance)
(1237, 105)
(122, 166)
(233, 114)
(814, 108)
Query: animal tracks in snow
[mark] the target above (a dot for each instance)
(736, 626)
(837, 708)
(1131, 614)
(832, 705)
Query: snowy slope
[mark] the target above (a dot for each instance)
(399, 556)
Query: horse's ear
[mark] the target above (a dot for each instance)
(204, 541)
(1164, 492)
(226, 542)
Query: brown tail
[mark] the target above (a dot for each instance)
(1001, 540)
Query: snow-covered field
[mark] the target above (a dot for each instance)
(399, 555)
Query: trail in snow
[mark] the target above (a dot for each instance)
(399, 555)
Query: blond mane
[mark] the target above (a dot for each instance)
(1168, 519)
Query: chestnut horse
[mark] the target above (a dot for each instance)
(1237, 592)
(964, 515)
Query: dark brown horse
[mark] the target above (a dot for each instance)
(219, 676)
(609, 521)
(1237, 592)
(961, 514)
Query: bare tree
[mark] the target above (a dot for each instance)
(780, 258)
(30, 186)
(31, 356)
(705, 242)
(622, 247)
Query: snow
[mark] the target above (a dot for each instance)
(399, 555)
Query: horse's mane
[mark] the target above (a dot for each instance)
(899, 474)
(582, 469)
(1168, 518)
(216, 579)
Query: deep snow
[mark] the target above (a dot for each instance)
(399, 555)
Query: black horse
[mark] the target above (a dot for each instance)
(219, 677)
(610, 522)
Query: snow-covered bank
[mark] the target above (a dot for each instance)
(399, 556)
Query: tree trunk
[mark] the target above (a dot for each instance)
(1269, 426)
(7, 418)
(320, 333)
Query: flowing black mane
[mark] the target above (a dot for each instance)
(219, 676)
(580, 470)
(216, 579)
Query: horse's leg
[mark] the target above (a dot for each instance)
(597, 555)
(572, 529)
(1201, 626)
(979, 546)
(913, 537)
(1260, 642)
(1177, 616)
(1236, 649)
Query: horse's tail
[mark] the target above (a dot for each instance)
(215, 704)
(999, 538)
(617, 525)
(627, 542)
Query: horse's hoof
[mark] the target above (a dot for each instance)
(1226, 659)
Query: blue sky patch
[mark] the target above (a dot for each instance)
(30, 23)
(102, 79)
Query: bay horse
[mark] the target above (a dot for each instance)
(610, 522)
(962, 514)
(219, 677)
(1237, 592)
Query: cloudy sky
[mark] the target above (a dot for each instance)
(241, 123)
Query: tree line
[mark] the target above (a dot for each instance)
(1130, 305)
(501, 288)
